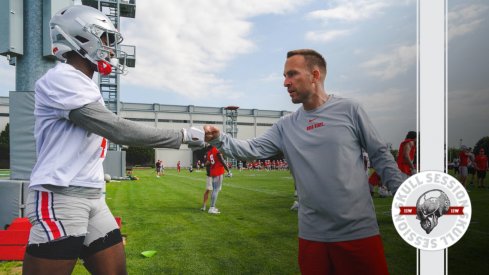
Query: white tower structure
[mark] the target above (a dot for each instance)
(115, 163)
(110, 84)
(231, 126)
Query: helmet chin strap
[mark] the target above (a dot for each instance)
(104, 67)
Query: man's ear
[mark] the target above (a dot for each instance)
(316, 74)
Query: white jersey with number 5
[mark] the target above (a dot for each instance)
(67, 155)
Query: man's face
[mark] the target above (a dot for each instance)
(104, 38)
(298, 79)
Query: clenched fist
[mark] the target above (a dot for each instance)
(211, 132)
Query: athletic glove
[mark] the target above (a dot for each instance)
(229, 174)
(193, 137)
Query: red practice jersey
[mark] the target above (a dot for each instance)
(403, 166)
(481, 162)
(213, 155)
(464, 158)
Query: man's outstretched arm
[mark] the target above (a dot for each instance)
(264, 146)
(95, 118)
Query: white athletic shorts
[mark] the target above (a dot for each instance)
(208, 185)
(463, 170)
(54, 216)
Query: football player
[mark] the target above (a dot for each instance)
(69, 216)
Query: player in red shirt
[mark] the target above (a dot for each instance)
(217, 164)
(405, 157)
(481, 167)
(178, 167)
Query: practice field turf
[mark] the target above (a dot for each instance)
(256, 232)
(4, 174)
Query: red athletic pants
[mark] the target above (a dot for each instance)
(363, 256)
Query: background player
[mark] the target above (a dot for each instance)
(217, 164)
(407, 151)
(208, 179)
(481, 167)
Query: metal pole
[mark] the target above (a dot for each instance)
(28, 69)
(32, 65)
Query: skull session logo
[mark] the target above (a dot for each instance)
(428, 210)
(431, 210)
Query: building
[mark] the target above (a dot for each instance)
(250, 122)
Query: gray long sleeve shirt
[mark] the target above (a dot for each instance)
(323, 149)
(95, 118)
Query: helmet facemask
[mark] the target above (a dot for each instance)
(107, 55)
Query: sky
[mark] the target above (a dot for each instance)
(229, 52)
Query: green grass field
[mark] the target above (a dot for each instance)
(255, 233)
(4, 173)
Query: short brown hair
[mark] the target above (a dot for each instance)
(312, 58)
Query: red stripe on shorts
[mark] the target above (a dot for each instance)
(46, 217)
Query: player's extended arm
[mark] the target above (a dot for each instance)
(95, 118)
(223, 162)
(264, 146)
(381, 158)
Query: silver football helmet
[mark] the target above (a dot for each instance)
(91, 34)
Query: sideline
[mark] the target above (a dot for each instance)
(233, 186)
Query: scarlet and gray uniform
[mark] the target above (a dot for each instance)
(71, 130)
(323, 150)
(71, 123)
